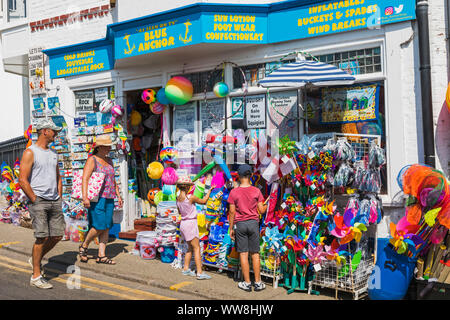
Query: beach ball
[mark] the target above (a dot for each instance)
(116, 111)
(168, 154)
(105, 106)
(135, 118)
(221, 89)
(148, 96)
(158, 197)
(151, 195)
(179, 90)
(155, 170)
(157, 108)
(161, 96)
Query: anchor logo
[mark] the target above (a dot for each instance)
(130, 50)
(186, 40)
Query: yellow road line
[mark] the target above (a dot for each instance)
(108, 292)
(8, 243)
(98, 282)
(177, 286)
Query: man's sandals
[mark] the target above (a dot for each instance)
(105, 260)
(83, 254)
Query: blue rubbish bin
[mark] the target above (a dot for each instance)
(392, 274)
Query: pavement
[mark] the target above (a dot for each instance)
(150, 273)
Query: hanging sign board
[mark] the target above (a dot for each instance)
(255, 111)
(349, 104)
(36, 71)
(237, 108)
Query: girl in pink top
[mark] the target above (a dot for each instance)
(189, 226)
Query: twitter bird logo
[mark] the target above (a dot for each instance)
(398, 9)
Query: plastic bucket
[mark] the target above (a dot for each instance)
(199, 190)
(167, 254)
(146, 244)
(392, 274)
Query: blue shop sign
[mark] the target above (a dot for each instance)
(337, 16)
(80, 62)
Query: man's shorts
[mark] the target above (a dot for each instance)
(47, 218)
(247, 236)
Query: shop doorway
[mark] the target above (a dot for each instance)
(144, 127)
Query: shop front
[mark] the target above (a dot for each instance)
(221, 53)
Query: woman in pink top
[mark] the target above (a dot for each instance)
(189, 226)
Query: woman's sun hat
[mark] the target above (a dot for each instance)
(184, 180)
(103, 140)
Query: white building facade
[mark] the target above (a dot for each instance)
(390, 51)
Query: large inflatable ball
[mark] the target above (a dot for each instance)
(161, 96)
(179, 90)
(155, 170)
(148, 96)
(221, 89)
(105, 106)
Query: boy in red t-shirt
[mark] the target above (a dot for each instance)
(245, 202)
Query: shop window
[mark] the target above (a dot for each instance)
(341, 109)
(200, 80)
(361, 61)
(87, 101)
(254, 73)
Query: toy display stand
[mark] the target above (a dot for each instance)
(355, 280)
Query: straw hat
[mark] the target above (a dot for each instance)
(103, 140)
(185, 180)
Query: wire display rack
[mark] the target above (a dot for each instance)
(355, 280)
(360, 143)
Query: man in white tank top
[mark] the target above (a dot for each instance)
(40, 180)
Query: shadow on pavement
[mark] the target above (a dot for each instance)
(58, 264)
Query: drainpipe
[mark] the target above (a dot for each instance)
(425, 82)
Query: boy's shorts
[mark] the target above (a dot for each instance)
(247, 236)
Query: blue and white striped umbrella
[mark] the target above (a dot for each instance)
(300, 73)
